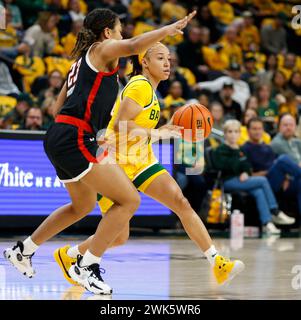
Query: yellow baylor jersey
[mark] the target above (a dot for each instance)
(136, 150)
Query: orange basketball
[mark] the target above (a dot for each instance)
(195, 117)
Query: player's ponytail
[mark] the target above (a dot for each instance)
(94, 24)
(137, 67)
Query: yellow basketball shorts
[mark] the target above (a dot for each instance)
(141, 177)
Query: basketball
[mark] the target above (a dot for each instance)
(195, 117)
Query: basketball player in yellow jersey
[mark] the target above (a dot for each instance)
(138, 106)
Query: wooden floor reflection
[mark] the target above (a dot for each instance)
(148, 268)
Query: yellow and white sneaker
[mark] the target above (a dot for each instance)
(65, 262)
(225, 270)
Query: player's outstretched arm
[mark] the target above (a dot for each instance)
(113, 49)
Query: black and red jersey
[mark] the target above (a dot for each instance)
(91, 94)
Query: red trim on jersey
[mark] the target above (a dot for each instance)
(82, 147)
(79, 123)
(93, 92)
(82, 126)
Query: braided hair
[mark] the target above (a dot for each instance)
(94, 24)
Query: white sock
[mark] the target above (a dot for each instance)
(89, 259)
(73, 252)
(29, 246)
(210, 254)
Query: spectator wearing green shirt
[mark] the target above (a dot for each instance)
(236, 173)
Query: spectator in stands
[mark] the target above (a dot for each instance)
(279, 83)
(244, 134)
(7, 86)
(285, 141)
(74, 10)
(267, 108)
(216, 59)
(171, 10)
(69, 40)
(273, 36)
(31, 9)
(118, 6)
(241, 88)
(236, 173)
(270, 68)
(232, 109)
(206, 19)
(295, 83)
(203, 98)
(250, 73)
(174, 99)
(230, 45)
(16, 18)
(249, 33)
(41, 34)
(55, 83)
(16, 117)
(141, 9)
(288, 65)
(190, 52)
(222, 12)
(252, 103)
(217, 112)
(282, 172)
(33, 119)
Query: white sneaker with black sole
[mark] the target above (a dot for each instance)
(89, 277)
(19, 260)
(270, 228)
(283, 219)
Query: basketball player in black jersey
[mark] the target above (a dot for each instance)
(84, 106)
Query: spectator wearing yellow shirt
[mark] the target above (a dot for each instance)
(171, 10)
(29, 67)
(216, 58)
(249, 33)
(142, 27)
(69, 40)
(141, 9)
(244, 135)
(222, 11)
(230, 46)
(288, 64)
(173, 100)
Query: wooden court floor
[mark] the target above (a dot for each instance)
(166, 268)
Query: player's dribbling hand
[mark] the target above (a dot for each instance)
(170, 131)
(176, 28)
